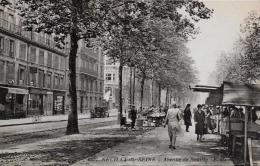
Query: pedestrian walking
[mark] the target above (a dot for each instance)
(172, 120)
(187, 117)
(133, 116)
(199, 119)
(208, 121)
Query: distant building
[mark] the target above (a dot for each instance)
(112, 83)
(112, 87)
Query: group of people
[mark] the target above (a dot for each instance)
(202, 120)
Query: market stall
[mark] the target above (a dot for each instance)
(151, 117)
(157, 118)
(229, 95)
(247, 96)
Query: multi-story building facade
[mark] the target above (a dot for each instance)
(90, 81)
(32, 75)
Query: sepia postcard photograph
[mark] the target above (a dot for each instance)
(129, 82)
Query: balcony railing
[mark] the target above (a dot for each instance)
(88, 71)
(33, 36)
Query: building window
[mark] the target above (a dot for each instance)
(21, 75)
(1, 44)
(101, 71)
(61, 82)
(22, 53)
(49, 60)
(41, 78)
(101, 88)
(96, 104)
(86, 101)
(86, 84)
(56, 81)
(11, 22)
(96, 86)
(82, 83)
(33, 55)
(2, 70)
(56, 62)
(62, 63)
(90, 102)
(114, 77)
(41, 57)
(11, 48)
(49, 80)
(32, 76)
(108, 76)
(10, 73)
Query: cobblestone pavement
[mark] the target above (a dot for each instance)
(152, 149)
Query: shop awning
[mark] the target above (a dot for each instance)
(15, 90)
(241, 94)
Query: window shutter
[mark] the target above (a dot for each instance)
(7, 46)
(14, 51)
(5, 20)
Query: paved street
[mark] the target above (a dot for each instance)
(21, 129)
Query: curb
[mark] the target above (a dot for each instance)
(28, 123)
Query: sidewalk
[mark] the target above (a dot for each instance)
(42, 119)
(47, 119)
(152, 149)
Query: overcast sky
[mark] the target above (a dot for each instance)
(219, 32)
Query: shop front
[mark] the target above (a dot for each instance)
(36, 101)
(12, 102)
(58, 102)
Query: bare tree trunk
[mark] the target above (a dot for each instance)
(134, 88)
(72, 126)
(130, 87)
(159, 95)
(120, 92)
(152, 91)
(142, 89)
(167, 96)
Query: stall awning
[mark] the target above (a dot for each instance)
(15, 90)
(241, 94)
(204, 88)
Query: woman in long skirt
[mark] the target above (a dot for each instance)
(199, 119)
(187, 117)
(174, 128)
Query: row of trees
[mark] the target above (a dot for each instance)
(243, 63)
(149, 34)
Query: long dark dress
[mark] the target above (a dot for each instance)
(187, 117)
(200, 119)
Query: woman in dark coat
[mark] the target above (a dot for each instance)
(199, 119)
(187, 117)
